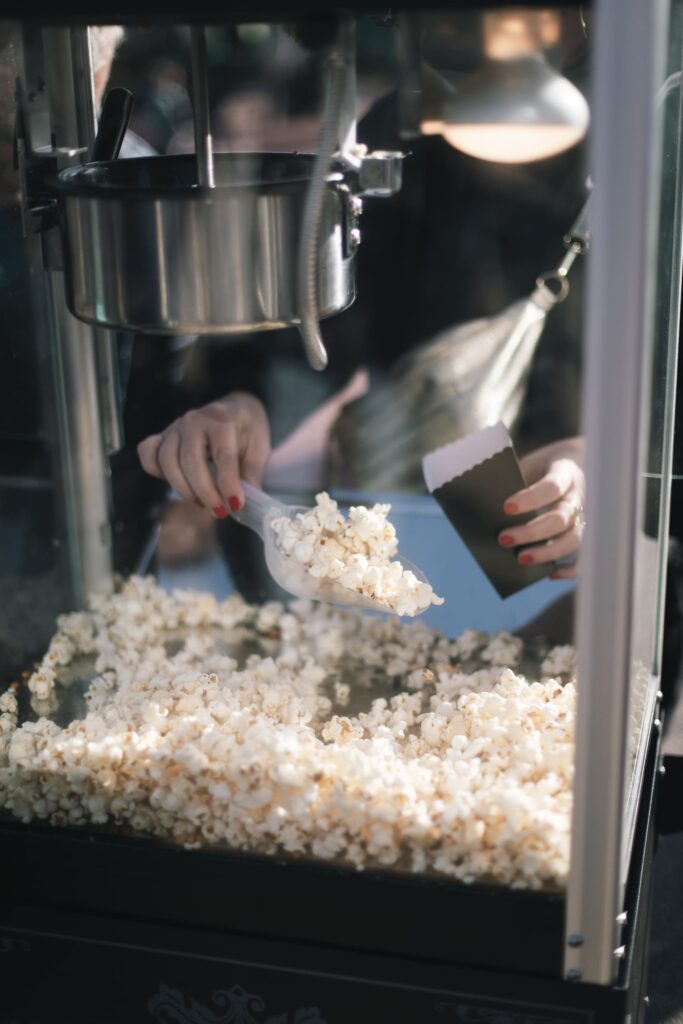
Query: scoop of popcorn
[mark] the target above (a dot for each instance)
(358, 553)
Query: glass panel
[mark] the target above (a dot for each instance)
(252, 726)
(34, 556)
(658, 416)
(432, 348)
(202, 705)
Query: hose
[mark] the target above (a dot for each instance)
(307, 265)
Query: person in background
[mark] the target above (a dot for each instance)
(104, 40)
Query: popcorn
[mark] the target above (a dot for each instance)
(342, 693)
(8, 719)
(8, 706)
(503, 649)
(468, 643)
(466, 774)
(41, 683)
(358, 552)
(560, 661)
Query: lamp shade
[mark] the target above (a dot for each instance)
(513, 111)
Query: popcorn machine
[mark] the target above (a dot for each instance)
(261, 809)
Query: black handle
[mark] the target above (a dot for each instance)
(116, 111)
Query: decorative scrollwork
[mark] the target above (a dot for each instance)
(307, 1015)
(491, 1015)
(231, 1006)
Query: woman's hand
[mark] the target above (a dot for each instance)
(233, 432)
(557, 494)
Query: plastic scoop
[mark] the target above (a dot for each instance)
(258, 513)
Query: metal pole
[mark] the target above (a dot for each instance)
(84, 468)
(346, 49)
(84, 86)
(617, 329)
(65, 129)
(203, 142)
(106, 369)
(82, 386)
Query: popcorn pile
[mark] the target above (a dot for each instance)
(259, 728)
(356, 552)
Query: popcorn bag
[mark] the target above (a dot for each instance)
(471, 479)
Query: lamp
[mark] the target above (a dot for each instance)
(516, 108)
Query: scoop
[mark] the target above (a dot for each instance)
(258, 513)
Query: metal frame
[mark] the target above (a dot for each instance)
(674, 81)
(617, 325)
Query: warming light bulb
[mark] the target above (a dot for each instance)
(513, 111)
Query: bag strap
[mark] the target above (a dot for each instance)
(552, 287)
(578, 237)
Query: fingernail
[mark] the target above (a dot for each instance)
(525, 559)
(510, 508)
(506, 540)
(235, 504)
(198, 503)
(220, 512)
(554, 576)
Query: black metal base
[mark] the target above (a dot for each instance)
(106, 931)
(669, 802)
(67, 969)
(288, 901)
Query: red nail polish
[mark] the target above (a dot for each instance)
(510, 508)
(525, 559)
(220, 512)
(235, 504)
(506, 540)
(198, 503)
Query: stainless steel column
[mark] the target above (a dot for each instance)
(84, 467)
(83, 357)
(85, 123)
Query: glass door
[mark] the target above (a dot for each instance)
(631, 353)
